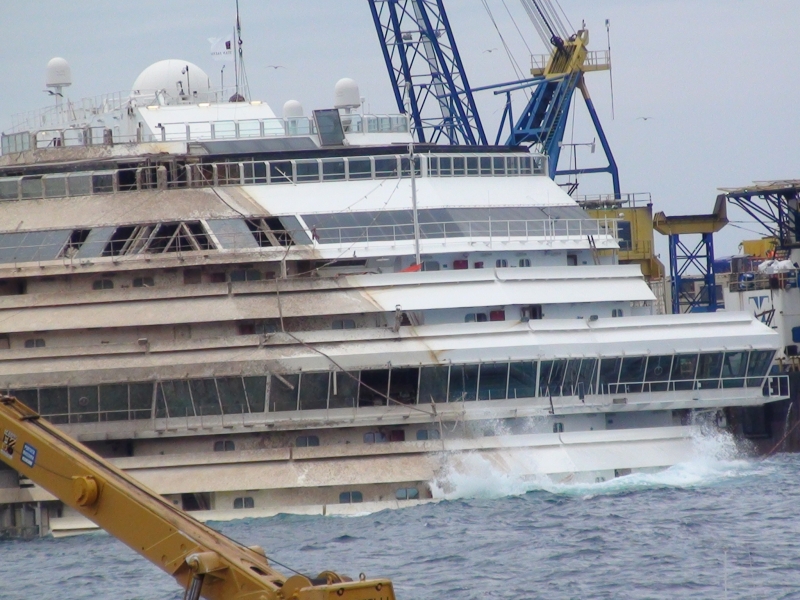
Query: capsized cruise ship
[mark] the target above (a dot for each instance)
(255, 314)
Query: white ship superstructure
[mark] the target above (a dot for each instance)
(230, 306)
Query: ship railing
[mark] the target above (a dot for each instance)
(629, 200)
(471, 230)
(280, 172)
(69, 112)
(745, 282)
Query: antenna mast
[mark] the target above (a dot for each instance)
(238, 59)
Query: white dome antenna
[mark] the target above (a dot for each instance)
(59, 74)
(346, 95)
(292, 109)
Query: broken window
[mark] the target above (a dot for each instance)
(159, 238)
(74, 243)
(143, 282)
(103, 284)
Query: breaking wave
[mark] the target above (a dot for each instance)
(716, 457)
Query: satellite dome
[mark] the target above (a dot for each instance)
(292, 109)
(346, 94)
(180, 79)
(58, 73)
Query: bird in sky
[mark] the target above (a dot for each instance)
(644, 118)
(275, 67)
(52, 93)
(489, 50)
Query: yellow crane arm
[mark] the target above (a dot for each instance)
(203, 561)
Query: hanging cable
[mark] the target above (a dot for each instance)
(514, 21)
(517, 70)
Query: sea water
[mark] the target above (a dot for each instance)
(722, 525)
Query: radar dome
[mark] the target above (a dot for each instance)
(179, 79)
(346, 94)
(58, 73)
(292, 109)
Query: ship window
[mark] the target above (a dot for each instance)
(350, 497)
(493, 381)
(307, 441)
(430, 265)
(329, 127)
(624, 234)
(497, 315)
(616, 312)
(657, 374)
(572, 260)
(683, 370)
(114, 402)
(192, 276)
(403, 386)
(501, 262)
(246, 275)
(472, 165)
(360, 168)
(343, 324)
(407, 494)
(83, 404)
(522, 380)
(374, 387)
(74, 243)
(246, 328)
(143, 282)
(255, 388)
(586, 377)
(224, 446)
(475, 317)
(734, 366)
(5, 342)
(609, 375)
(571, 377)
(524, 262)
(632, 373)
(332, 169)
(102, 284)
(280, 172)
(54, 404)
(433, 384)
(217, 278)
(344, 390)
(757, 368)
(463, 383)
(375, 437)
(175, 394)
(307, 170)
(141, 399)
(231, 394)
(397, 435)
(708, 370)
(314, 391)
(244, 502)
(34, 343)
(283, 392)
(529, 313)
(558, 428)
(428, 434)
(29, 398)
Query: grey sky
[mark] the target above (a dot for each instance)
(718, 77)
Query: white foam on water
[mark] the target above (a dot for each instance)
(716, 457)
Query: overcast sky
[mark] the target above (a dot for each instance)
(718, 79)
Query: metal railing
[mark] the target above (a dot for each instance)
(744, 282)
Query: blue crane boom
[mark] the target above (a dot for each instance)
(427, 74)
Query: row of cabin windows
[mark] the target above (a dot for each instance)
(108, 284)
(302, 441)
(406, 385)
(460, 265)
(224, 446)
(350, 497)
(398, 435)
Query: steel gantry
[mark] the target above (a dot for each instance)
(775, 205)
(427, 74)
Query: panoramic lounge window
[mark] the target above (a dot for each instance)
(160, 238)
(329, 126)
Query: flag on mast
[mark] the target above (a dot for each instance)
(222, 48)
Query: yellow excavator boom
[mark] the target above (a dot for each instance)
(203, 561)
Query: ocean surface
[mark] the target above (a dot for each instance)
(723, 525)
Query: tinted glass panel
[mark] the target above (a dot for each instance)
(256, 388)
(114, 402)
(53, 401)
(282, 396)
(433, 384)
(657, 373)
(141, 399)
(708, 370)
(493, 379)
(314, 391)
(522, 380)
(374, 387)
(179, 402)
(609, 375)
(734, 367)
(463, 382)
(83, 404)
(233, 233)
(231, 394)
(403, 386)
(586, 377)
(760, 361)
(684, 367)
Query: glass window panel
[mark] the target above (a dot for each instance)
(29, 398)
(204, 395)
(657, 373)
(632, 373)
(345, 390)
(114, 402)
(463, 383)
(386, 167)
(445, 166)
(102, 183)
(344, 498)
(493, 380)
(314, 391)
(360, 168)
(551, 377)
(281, 396)
(141, 399)
(53, 401)
(374, 387)
(609, 375)
(179, 402)
(486, 165)
(586, 377)
(499, 165)
(433, 384)
(333, 170)
(280, 172)
(459, 165)
(9, 189)
(684, 367)
(708, 370)
(249, 128)
(571, 377)
(231, 395)
(472, 165)
(522, 380)
(356, 497)
(83, 404)
(256, 388)
(760, 361)
(734, 367)
(233, 233)
(433, 166)
(80, 184)
(403, 385)
(55, 186)
(32, 187)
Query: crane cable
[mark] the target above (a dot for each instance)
(517, 70)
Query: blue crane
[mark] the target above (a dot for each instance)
(425, 68)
